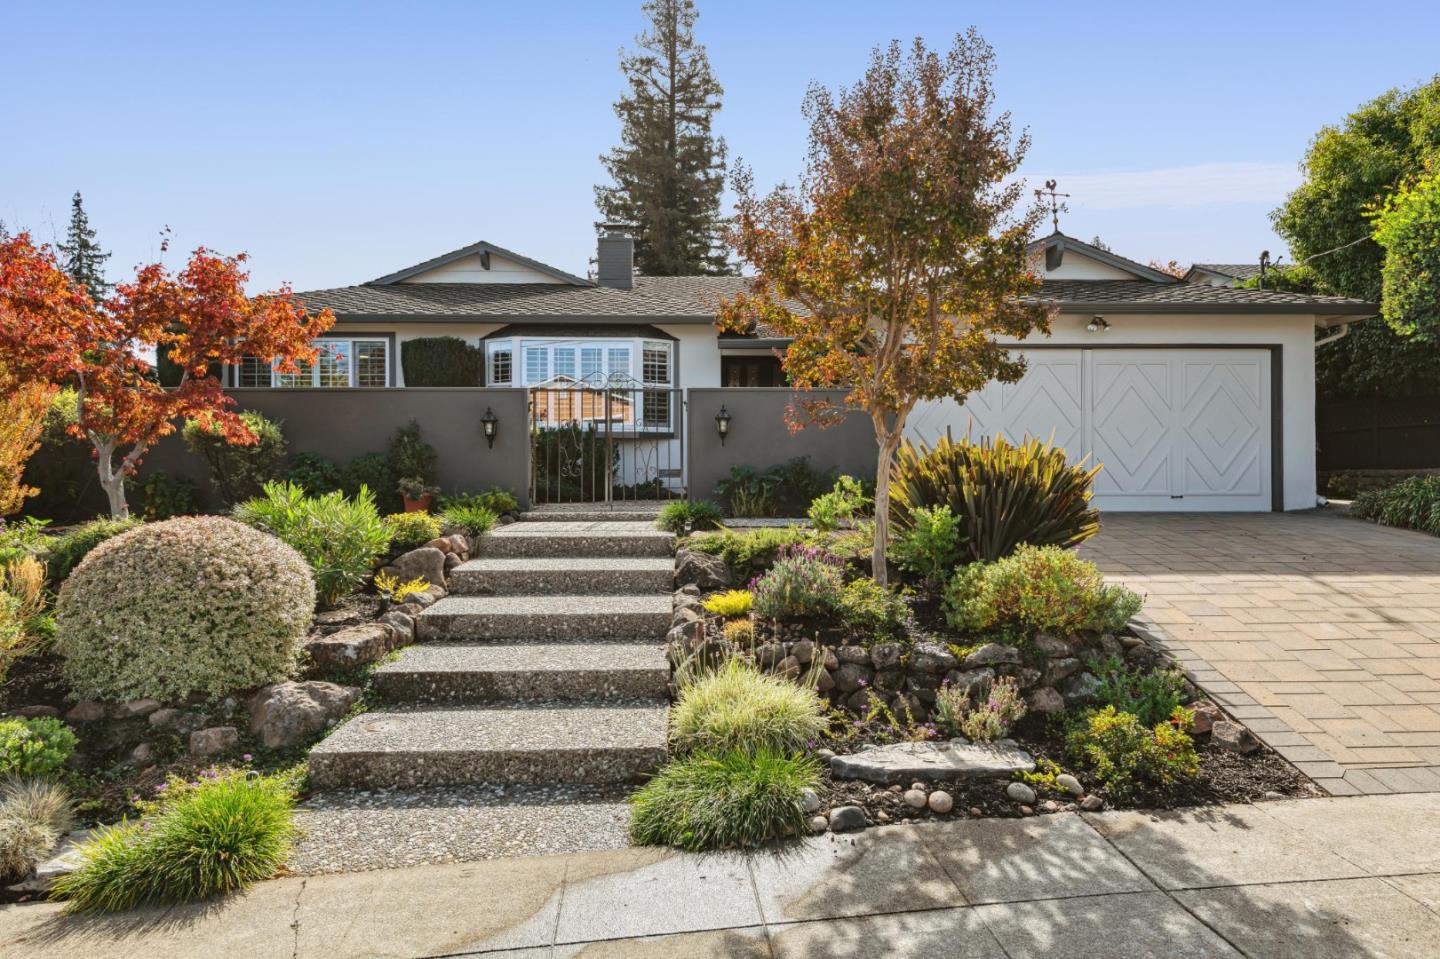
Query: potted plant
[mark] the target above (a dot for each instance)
(417, 496)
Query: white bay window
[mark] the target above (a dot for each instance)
(341, 362)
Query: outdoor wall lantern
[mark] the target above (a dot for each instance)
(1097, 324)
(490, 423)
(722, 423)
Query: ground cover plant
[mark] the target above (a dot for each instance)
(34, 747)
(219, 833)
(731, 603)
(1036, 589)
(189, 605)
(748, 551)
(1124, 754)
(340, 538)
(1412, 503)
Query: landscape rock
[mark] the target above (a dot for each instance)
(824, 681)
(858, 655)
(1082, 689)
(1092, 803)
(845, 818)
(768, 654)
(1234, 737)
(86, 711)
(941, 802)
(966, 680)
(789, 668)
(907, 761)
(427, 563)
(1026, 677)
(179, 720)
(850, 677)
(142, 754)
(993, 654)
(701, 570)
(329, 620)
(451, 561)
(1020, 792)
(35, 712)
(889, 680)
(1051, 646)
(803, 651)
(1206, 716)
(214, 741)
(809, 800)
(1059, 670)
(885, 655)
(137, 708)
(63, 860)
(287, 713)
(1070, 784)
(353, 646)
(932, 658)
(819, 824)
(916, 798)
(402, 623)
(1045, 701)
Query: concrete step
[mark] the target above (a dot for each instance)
(619, 514)
(572, 538)
(556, 672)
(562, 618)
(538, 745)
(347, 830)
(574, 575)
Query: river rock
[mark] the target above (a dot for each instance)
(1070, 784)
(1020, 792)
(1234, 737)
(287, 713)
(844, 818)
(906, 761)
(701, 570)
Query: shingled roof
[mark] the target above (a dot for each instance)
(1239, 271)
(1140, 296)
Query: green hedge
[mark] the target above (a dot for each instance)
(442, 361)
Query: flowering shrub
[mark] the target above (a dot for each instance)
(197, 604)
(998, 708)
(1123, 754)
(1035, 589)
(734, 602)
(34, 747)
(805, 581)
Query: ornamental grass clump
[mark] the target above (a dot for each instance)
(804, 582)
(471, 519)
(1036, 589)
(34, 814)
(1412, 503)
(340, 538)
(218, 834)
(196, 604)
(684, 516)
(738, 707)
(734, 799)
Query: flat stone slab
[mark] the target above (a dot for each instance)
(903, 762)
(552, 617)
(577, 538)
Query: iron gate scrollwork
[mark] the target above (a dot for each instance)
(612, 442)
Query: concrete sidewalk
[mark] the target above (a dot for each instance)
(1339, 877)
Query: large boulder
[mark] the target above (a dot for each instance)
(214, 741)
(427, 563)
(287, 713)
(702, 570)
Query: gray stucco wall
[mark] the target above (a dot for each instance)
(759, 436)
(341, 424)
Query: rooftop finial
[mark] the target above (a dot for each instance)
(1056, 207)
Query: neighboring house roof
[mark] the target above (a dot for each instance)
(1055, 245)
(1237, 271)
(1139, 296)
(483, 249)
(655, 298)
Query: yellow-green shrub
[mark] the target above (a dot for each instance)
(738, 707)
(1123, 754)
(734, 602)
(1035, 589)
(410, 530)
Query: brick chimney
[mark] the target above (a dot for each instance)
(615, 258)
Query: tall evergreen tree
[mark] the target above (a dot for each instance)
(83, 258)
(668, 170)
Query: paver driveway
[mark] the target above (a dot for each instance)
(1319, 631)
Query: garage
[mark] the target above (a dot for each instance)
(1175, 429)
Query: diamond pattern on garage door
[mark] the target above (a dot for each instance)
(1046, 400)
(1131, 414)
(1223, 418)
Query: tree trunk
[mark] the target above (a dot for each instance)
(889, 443)
(112, 480)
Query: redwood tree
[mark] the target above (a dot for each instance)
(901, 256)
(52, 331)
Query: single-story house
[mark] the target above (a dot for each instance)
(1193, 396)
(1221, 274)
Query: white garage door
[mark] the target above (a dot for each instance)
(1175, 429)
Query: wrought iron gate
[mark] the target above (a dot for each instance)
(616, 443)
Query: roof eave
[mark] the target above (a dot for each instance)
(483, 246)
(1349, 313)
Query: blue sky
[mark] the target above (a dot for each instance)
(337, 142)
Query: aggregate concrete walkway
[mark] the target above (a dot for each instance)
(1320, 632)
(1316, 878)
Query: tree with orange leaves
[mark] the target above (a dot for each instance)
(900, 258)
(51, 331)
(22, 418)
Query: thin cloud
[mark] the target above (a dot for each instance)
(1197, 185)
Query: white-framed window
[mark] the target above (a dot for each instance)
(591, 362)
(342, 362)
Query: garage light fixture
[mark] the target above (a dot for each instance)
(1097, 324)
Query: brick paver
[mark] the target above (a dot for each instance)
(1320, 631)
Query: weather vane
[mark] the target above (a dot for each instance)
(1056, 207)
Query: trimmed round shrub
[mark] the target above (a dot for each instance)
(739, 707)
(67, 550)
(199, 604)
